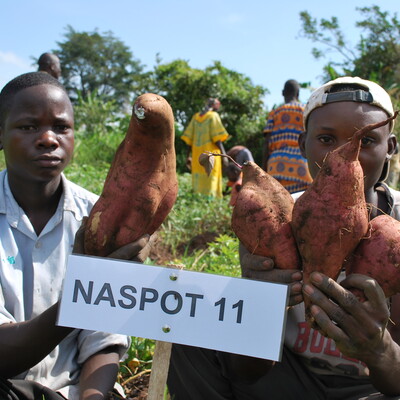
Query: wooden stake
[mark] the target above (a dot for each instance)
(159, 370)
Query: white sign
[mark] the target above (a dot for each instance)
(217, 312)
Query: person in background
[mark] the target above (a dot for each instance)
(40, 212)
(281, 154)
(239, 154)
(50, 63)
(205, 132)
(234, 184)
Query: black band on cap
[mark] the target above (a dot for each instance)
(360, 96)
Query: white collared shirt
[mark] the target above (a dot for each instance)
(32, 270)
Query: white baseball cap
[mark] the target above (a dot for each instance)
(371, 93)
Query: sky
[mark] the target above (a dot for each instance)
(258, 38)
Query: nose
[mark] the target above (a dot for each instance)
(47, 138)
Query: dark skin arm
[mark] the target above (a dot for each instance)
(24, 344)
(225, 160)
(358, 329)
(99, 373)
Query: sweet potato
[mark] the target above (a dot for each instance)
(261, 218)
(141, 185)
(331, 217)
(378, 255)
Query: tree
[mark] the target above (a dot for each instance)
(375, 57)
(97, 63)
(186, 89)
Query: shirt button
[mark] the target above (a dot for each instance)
(38, 245)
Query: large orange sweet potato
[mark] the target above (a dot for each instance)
(261, 218)
(141, 185)
(331, 217)
(378, 255)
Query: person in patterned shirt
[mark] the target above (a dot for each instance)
(281, 154)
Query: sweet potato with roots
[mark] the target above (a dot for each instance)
(330, 217)
(261, 218)
(141, 186)
(378, 255)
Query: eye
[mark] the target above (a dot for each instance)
(27, 127)
(62, 128)
(366, 140)
(325, 139)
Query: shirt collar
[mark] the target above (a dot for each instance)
(69, 203)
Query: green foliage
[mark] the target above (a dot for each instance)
(375, 57)
(220, 257)
(93, 115)
(194, 214)
(186, 89)
(102, 78)
(97, 62)
(380, 49)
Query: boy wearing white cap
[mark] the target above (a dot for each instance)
(354, 352)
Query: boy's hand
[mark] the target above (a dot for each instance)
(138, 250)
(358, 328)
(262, 269)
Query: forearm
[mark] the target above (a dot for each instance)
(24, 344)
(220, 146)
(384, 367)
(99, 374)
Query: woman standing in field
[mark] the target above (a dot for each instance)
(282, 158)
(205, 132)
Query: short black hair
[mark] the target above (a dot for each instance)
(291, 87)
(22, 82)
(47, 59)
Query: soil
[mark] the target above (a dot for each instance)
(137, 389)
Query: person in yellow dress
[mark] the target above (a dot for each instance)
(205, 132)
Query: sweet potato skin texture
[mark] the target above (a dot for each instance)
(141, 186)
(331, 216)
(261, 218)
(378, 254)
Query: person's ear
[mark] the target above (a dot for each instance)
(302, 143)
(392, 146)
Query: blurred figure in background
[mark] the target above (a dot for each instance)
(281, 153)
(50, 63)
(205, 132)
(240, 154)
